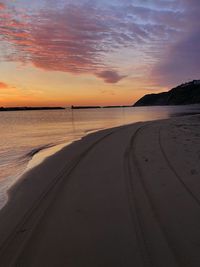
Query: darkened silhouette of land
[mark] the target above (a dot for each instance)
(184, 94)
(85, 107)
(29, 108)
(117, 106)
(95, 107)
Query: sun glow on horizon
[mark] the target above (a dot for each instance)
(94, 52)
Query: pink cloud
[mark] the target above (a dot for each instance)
(2, 6)
(66, 44)
(78, 38)
(73, 41)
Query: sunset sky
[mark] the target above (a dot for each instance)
(95, 52)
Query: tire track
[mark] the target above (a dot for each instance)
(134, 177)
(133, 206)
(196, 199)
(20, 228)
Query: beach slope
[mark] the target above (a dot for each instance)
(127, 196)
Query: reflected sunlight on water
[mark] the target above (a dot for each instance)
(25, 133)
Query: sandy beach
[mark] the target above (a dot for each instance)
(126, 196)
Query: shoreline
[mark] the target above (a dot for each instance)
(115, 190)
(33, 158)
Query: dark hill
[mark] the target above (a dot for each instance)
(184, 94)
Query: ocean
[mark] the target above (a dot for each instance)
(28, 137)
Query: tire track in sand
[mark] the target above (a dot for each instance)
(21, 233)
(140, 202)
(179, 178)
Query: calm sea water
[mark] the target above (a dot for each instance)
(26, 133)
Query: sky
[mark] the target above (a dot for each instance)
(95, 52)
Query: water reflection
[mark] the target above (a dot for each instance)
(23, 132)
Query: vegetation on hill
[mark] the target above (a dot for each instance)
(184, 94)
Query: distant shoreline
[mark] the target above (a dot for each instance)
(29, 108)
(97, 107)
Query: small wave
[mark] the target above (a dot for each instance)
(179, 114)
(34, 151)
(92, 130)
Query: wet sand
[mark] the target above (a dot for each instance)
(127, 196)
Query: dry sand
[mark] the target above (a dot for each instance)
(127, 196)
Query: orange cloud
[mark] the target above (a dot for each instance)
(3, 85)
